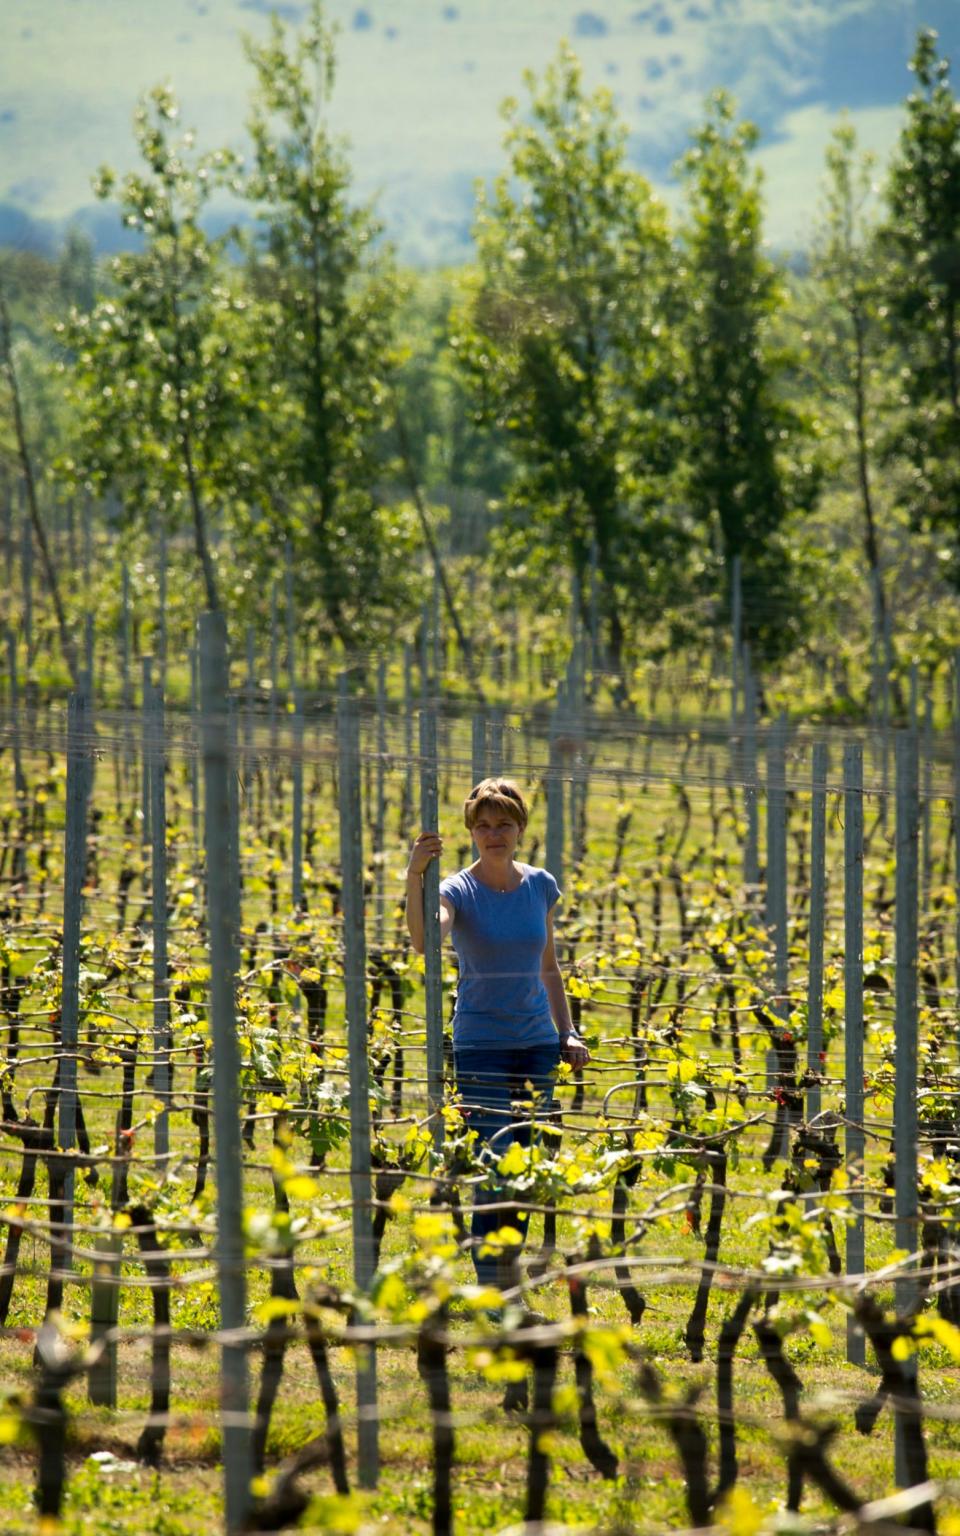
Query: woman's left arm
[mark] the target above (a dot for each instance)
(572, 1048)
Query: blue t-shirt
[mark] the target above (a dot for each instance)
(499, 937)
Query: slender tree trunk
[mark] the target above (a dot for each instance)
(871, 541)
(201, 539)
(26, 465)
(432, 546)
(952, 369)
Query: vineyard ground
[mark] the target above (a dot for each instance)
(185, 1496)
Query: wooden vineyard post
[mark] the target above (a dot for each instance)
(105, 1294)
(296, 767)
(885, 720)
(380, 820)
(89, 647)
(162, 609)
(818, 897)
(425, 651)
(26, 549)
(249, 698)
(478, 747)
(594, 610)
(751, 846)
(736, 627)
(87, 537)
(478, 758)
(296, 852)
(105, 1279)
(6, 511)
(291, 618)
(776, 906)
(407, 737)
(956, 812)
(926, 802)
(905, 1127)
(19, 782)
(433, 976)
(574, 725)
(855, 1142)
(355, 989)
(553, 856)
(74, 864)
(233, 812)
(161, 1002)
(776, 888)
(575, 731)
(274, 674)
(128, 751)
(436, 631)
(217, 768)
(19, 779)
(194, 768)
(125, 642)
(495, 742)
(146, 749)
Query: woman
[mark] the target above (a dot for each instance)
(511, 1025)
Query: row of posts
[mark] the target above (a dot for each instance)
(219, 756)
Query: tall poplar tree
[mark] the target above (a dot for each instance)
(921, 237)
(751, 460)
(566, 335)
(849, 343)
(163, 370)
(320, 263)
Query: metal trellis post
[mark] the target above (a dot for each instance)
(853, 1022)
(905, 1127)
(818, 893)
(433, 976)
(355, 990)
(217, 768)
(161, 1004)
(74, 864)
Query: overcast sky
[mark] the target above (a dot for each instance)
(420, 82)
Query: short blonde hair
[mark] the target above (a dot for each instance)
(498, 794)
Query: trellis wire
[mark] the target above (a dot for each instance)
(426, 756)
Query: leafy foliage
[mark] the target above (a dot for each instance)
(330, 297)
(164, 372)
(921, 238)
(566, 332)
(752, 465)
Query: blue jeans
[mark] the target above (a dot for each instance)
(488, 1078)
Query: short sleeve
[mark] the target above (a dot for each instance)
(450, 891)
(551, 890)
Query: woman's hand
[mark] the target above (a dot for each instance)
(429, 845)
(573, 1050)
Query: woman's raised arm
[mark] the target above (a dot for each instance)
(429, 845)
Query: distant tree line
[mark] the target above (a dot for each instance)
(638, 400)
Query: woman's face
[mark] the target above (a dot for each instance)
(495, 833)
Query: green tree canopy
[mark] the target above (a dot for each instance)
(921, 237)
(332, 301)
(750, 458)
(166, 372)
(566, 334)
